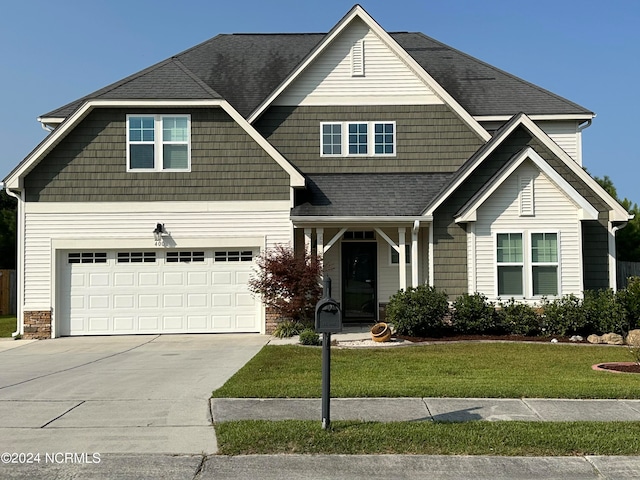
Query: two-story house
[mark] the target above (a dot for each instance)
(401, 160)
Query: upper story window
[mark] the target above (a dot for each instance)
(158, 142)
(357, 139)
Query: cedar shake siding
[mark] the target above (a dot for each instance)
(429, 138)
(89, 164)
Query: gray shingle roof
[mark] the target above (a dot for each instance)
(377, 194)
(245, 68)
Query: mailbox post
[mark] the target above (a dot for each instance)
(328, 321)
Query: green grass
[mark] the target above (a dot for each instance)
(473, 438)
(7, 325)
(491, 370)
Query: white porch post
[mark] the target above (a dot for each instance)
(320, 240)
(307, 241)
(414, 253)
(431, 256)
(402, 260)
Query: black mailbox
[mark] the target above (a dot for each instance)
(328, 316)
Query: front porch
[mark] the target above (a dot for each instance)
(368, 263)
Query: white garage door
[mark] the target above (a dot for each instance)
(165, 291)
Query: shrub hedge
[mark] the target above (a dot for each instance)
(424, 312)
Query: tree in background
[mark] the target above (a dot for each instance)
(8, 219)
(628, 238)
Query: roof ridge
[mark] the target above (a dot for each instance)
(195, 78)
(504, 72)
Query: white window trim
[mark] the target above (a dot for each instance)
(527, 264)
(158, 143)
(344, 132)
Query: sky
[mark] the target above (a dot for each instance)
(588, 51)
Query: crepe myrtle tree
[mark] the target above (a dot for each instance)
(289, 282)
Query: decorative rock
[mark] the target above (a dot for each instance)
(633, 338)
(576, 338)
(613, 339)
(595, 339)
(554, 340)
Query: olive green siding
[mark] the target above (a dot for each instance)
(89, 164)
(429, 138)
(595, 253)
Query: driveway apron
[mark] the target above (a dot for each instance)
(120, 394)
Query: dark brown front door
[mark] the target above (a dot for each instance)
(359, 274)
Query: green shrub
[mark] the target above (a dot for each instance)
(473, 314)
(519, 318)
(603, 314)
(629, 299)
(308, 336)
(418, 312)
(565, 316)
(288, 328)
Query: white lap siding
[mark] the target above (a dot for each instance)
(554, 212)
(64, 226)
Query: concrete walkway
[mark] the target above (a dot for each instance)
(426, 409)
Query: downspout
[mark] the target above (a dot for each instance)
(19, 261)
(581, 127)
(613, 254)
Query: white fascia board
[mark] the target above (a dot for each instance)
(14, 180)
(296, 179)
(51, 120)
(335, 221)
(359, 12)
(504, 118)
(478, 161)
(617, 211)
(587, 211)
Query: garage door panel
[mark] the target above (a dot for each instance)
(123, 301)
(148, 279)
(118, 295)
(148, 301)
(124, 279)
(196, 300)
(123, 324)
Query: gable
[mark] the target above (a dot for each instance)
(358, 68)
(89, 164)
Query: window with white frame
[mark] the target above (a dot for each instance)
(357, 138)
(544, 263)
(158, 143)
(509, 254)
(533, 275)
(395, 256)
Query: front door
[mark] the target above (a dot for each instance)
(359, 274)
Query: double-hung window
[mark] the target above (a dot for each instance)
(158, 143)
(510, 264)
(527, 264)
(544, 263)
(357, 139)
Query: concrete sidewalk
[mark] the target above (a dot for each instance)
(426, 409)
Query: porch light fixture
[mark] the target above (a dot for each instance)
(159, 231)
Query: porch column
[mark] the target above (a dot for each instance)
(320, 241)
(402, 260)
(307, 241)
(414, 253)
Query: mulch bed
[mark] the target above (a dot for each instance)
(486, 338)
(622, 367)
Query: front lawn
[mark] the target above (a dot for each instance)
(489, 370)
(7, 325)
(426, 438)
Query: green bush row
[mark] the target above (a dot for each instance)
(425, 312)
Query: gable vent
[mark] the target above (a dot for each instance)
(357, 59)
(526, 196)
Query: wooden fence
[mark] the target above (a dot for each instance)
(8, 297)
(626, 270)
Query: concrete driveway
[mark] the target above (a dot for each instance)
(120, 394)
